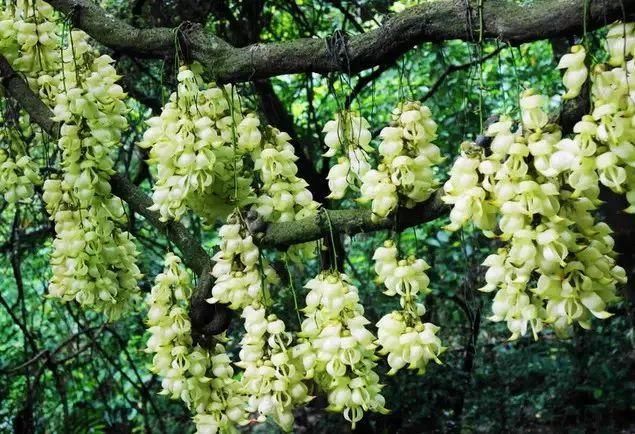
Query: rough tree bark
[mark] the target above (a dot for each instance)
(441, 20)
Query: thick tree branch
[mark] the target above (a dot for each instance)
(351, 221)
(19, 90)
(435, 21)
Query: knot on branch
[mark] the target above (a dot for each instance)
(337, 50)
(256, 225)
(482, 140)
(215, 320)
(73, 14)
(183, 35)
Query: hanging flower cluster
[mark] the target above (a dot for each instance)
(338, 351)
(93, 260)
(558, 265)
(197, 145)
(405, 174)
(91, 112)
(239, 270)
(602, 148)
(282, 195)
(466, 195)
(29, 39)
(18, 175)
(202, 145)
(349, 136)
(403, 337)
(201, 377)
(611, 124)
(28, 42)
(576, 71)
(273, 377)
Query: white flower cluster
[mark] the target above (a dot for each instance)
(93, 261)
(620, 43)
(283, 196)
(196, 144)
(91, 113)
(611, 126)
(202, 145)
(408, 341)
(272, 380)
(349, 136)
(237, 269)
(466, 193)
(29, 38)
(348, 131)
(403, 337)
(603, 148)
(338, 350)
(272, 377)
(403, 277)
(557, 266)
(576, 71)
(17, 177)
(201, 377)
(405, 174)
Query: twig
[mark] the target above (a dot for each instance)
(454, 68)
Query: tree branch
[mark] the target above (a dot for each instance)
(429, 22)
(19, 90)
(454, 68)
(351, 221)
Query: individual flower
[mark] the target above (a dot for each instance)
(576, 71)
